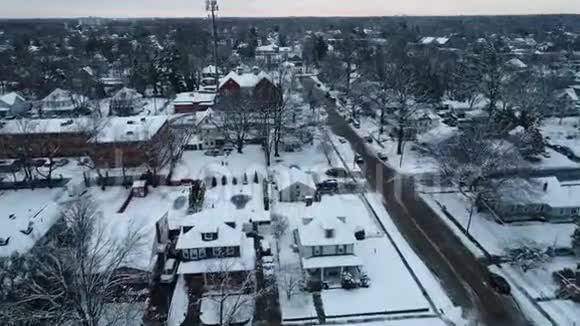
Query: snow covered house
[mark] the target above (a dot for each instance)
(193, 102)
(126, 102)
(130, 141)
(12, 104)
(539, 198)
(214, 242)
(62, 103)
(294, 185)
(43, 137)
(568, 103)
(256, 84)
(326, 244)
(421, 121)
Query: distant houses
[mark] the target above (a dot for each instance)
(126, 102)
(12, 104)
(61, 103)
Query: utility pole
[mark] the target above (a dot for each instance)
(212, 7)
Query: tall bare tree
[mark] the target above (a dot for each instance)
(71, 276)
(237, 118)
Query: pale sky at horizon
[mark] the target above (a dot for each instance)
(265, 8)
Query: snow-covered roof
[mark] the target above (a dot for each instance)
(312, 230)
(431, 40)
(194, 97)
(246, 79)
(267, 48)
(287, 177)
(227, 236)
(211, 69)
(129, 129)
(126, 93)
(521, 193)
(58, 95)
(517, 63)
(11, 98)
(570, 93)
(43, 126)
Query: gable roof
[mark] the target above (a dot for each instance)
(245, 80)
(210, 221)
(286, 177)
(313, 232)
(127, 93)
(11, 98)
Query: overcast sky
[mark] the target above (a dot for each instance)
(253, 8)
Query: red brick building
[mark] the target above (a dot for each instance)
(193, 102)
(257, 84)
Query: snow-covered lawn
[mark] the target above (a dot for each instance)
(21, 208)
(196, 165)
(300, 306)
(494, 237)
(392, 287)
(179, 303)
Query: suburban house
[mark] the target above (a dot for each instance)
(326, 244)
(62, 103)
(43, 137)
(208, 78)
(126, 102)
(12, 104)
(293, 185)
(193, 102)
(212, 243)
(129, 141)
(256, 84)
(541, 198)
(568, 103)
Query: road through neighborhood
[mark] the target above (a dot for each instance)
(460, 272)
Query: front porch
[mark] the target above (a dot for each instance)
(329, 270)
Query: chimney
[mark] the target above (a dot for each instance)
(545, 186)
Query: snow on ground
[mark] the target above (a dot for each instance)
(564, 133)
(179, 303)
(18, 208)
(140, 215)
(432, 286)
(196, 165)
(494, 237)
(535, 283)
(392, 287)
(238, 308)
(300, 306)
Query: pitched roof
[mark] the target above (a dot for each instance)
(127, 93)
(11, 98)
(313, 232)
(245, 80)
(286, 177)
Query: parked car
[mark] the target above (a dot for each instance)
(214, 152)
(169, 271)
(499, 284)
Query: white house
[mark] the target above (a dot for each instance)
(293, 185)
(11, 104)
(214, 241)
(126, 102)
(539, 198)
(62, 102)
(327, 246)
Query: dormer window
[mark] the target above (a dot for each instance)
(329, 233)
(209, 236)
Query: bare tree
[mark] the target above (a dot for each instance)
(279, 227)
(92, 127)
(478, 165)
(237, 118)
(71, 276)
(491, 74)
(291, 280)
(233, 293)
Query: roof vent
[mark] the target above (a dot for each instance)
(130, 122)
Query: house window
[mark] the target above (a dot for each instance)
(201, 253)
(193, 254)
(185, 254)
(317, 251)
(574, 211)
(209, 236)
(231, 251)
(340, 249)
(329, 233)
(218, 252)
